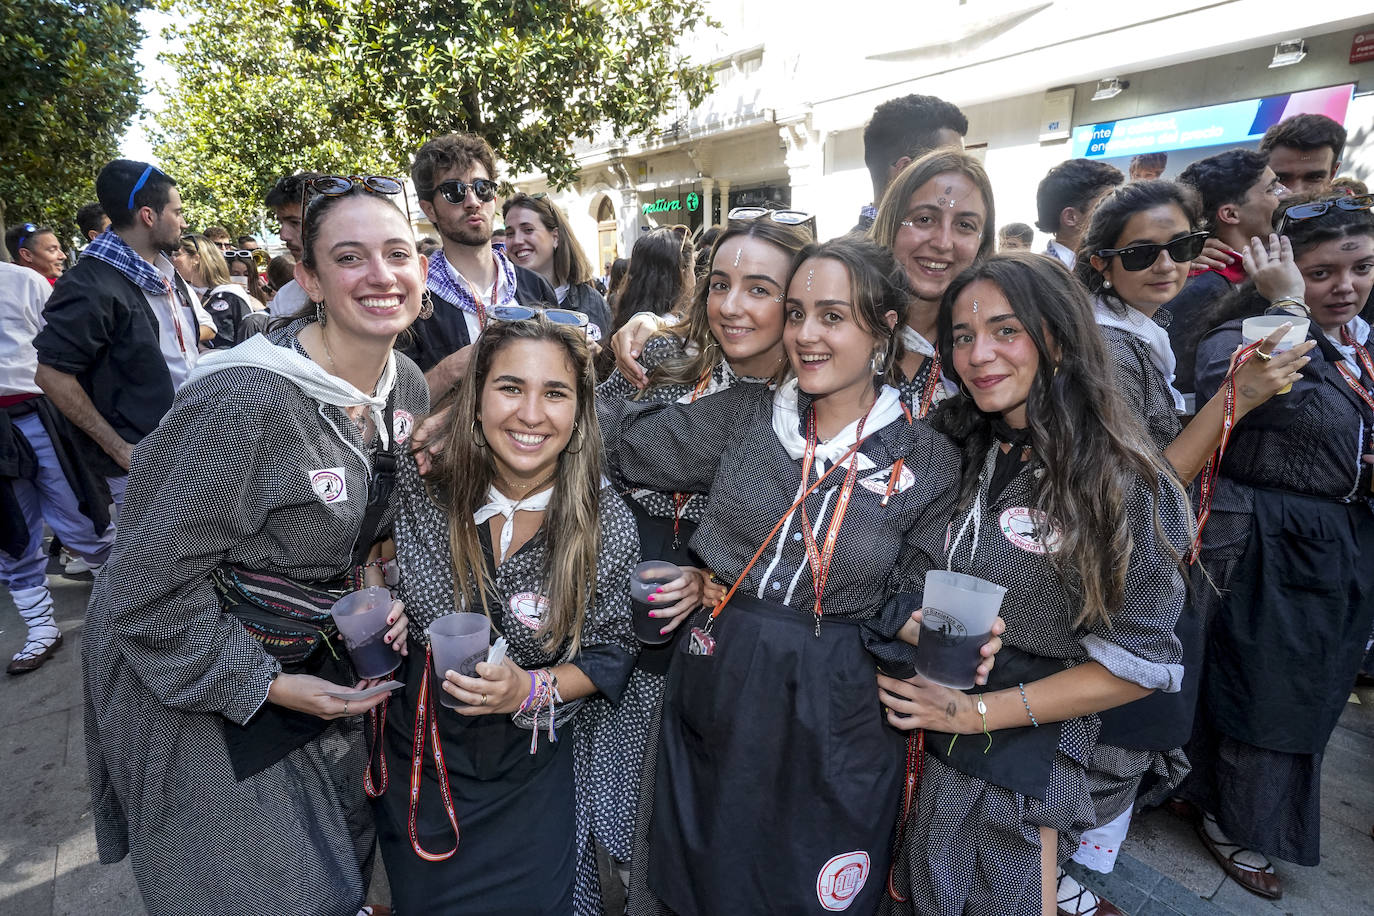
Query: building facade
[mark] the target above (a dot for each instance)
(797, 81)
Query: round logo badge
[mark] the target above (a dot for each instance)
(1031, 530)
(841, 879)
(402, 422)
(529, 608)
(946, 629)
(329, 485)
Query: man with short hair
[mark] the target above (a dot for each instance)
(1148, 166)
(248, 243)
(42, 476)
(454, 177)
(92, 221)
(219, 236)
(1015, 237)
(1239, 194)
(120, 335)
(1066, 198)
(286, 201)
(1305, 152)
(37, 248)
(901, 131)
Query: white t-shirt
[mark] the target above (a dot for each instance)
(178, 329)
(23, 295)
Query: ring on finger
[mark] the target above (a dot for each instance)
(345, 707)
(1264, 356)
(483, 701)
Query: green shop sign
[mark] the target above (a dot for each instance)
(663, 205)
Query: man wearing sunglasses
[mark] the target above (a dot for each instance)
(37, 248)
(121, 332)
(454, 178)
(1239, 193)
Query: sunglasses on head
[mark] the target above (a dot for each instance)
(455, 191)
(29, 230)
(526, 313)
(334, 185)
(1299, 212)
(1138, 257)
(242, 254)
(785, 217)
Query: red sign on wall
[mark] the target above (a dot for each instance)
(1362, 47)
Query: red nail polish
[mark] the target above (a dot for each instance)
(388, 637)
(650, 598)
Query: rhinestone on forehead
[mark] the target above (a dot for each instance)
(738, 253)
(810, 275)
(975, 306)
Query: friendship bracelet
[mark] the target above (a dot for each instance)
(983, 712)
(379, 563)
(1025, 702)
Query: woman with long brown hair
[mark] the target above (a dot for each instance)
(1066, 503)
(515, 523)
(538, 238)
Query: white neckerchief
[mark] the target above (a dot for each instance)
(726, 379)
(1359, 330)
(912, 340)
(503, 505)
(787, 426)
(306, 374)
(1155, 337)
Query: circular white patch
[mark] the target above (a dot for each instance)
(529, 608)
(841, 879)
(328, 484)
(1031, 530)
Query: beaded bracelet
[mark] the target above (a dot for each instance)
(379, 563)
(1026, 703)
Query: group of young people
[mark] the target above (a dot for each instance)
(814, 427)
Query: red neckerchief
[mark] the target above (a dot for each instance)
(1233, 273)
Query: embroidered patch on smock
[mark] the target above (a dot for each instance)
(529, 608)
(841, 879)
(1031, 530)
(402, 422)
(877, 483)
(329, 485)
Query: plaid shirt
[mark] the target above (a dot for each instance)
(113, 250)
(445, 282)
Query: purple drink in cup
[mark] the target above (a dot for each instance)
(645, 579)
(458, 642)
(956, 620)
(361, 619)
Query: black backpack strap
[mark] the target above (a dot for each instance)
(379, 487)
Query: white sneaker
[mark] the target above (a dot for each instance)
(76, 567)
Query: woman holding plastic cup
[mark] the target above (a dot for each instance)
(828, 505)
(1288, 545)
(226, 754)
(1066, 504)
(489, 807)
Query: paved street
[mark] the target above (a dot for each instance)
(48, 861)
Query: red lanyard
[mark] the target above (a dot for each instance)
(932, 383)
(176, 305)
(680, 500)
(1350, 379)
(915, 758)
(477, 300)
(819, 558)
(1207, 484)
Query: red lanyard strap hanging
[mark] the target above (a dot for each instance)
(932, 384)
(1350, 379)
(818, 558)
(680, 500)
(911, 789)
(424, 716)
(477, 299)
(1207, 484)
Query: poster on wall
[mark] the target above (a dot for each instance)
(1196, 133)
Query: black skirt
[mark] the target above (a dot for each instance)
(517, 854)
(777, 783)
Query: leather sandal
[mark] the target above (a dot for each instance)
(27, 663)
(375, 909)
(1264, 882)
(1084, 903)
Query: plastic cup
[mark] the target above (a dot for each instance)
(1261, 326)
(361, 619)
(644, 579)
(957, 620)
(458, 642)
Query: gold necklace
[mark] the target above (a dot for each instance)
(527, 486)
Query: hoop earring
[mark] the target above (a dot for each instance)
(576, 437)
(426, 305)
(479, 438)
(319, 313)
(963, 390)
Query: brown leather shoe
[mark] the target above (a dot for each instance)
(1264, 882)
(1185, 811)
(33, 662)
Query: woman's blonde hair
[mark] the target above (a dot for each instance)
(214, 270)
(465, 471)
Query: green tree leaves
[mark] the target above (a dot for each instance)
(70, 87)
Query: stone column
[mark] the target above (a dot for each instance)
(708, 190)
(724, 201)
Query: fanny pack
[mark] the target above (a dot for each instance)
(291, 619)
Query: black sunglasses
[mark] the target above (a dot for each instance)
(526, 313)
(334, 185)
(1183, 249)
(455, 191)
(1299, 212)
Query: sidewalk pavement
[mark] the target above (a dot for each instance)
(49, 866)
